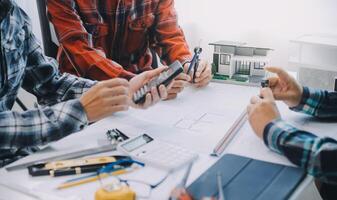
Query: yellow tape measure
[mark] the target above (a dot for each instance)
(122, 193)
(79, 162)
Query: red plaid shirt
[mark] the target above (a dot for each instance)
(105, 39)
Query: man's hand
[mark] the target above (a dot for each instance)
(180, 194)
(285, 87)
(177, 86)
(105, 98)
(155, 95)
(262, 111)
(203, 75)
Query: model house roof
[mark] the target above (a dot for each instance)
(236, 44)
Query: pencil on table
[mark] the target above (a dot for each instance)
(91, 179)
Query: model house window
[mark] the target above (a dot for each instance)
(228, 59)
(259, 65)
(242, 67)
(225, 59)
(217, 49)
(222, 59)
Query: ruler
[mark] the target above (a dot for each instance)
(224, 142)
(66, 156)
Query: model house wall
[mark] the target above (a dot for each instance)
(235, 58)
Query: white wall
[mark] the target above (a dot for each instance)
(270, 23)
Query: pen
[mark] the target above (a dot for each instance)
(87, 179)
(221, 195)
(103, 173)
(183, 182)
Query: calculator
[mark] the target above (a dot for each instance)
(164, 78)
(156, 153)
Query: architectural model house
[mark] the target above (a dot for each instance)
(239, 62)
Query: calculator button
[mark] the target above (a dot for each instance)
(166, 155)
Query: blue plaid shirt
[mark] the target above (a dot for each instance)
(318, 156)
(24, 65)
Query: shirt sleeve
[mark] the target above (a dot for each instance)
(62, 113)
(41, 126)
(169, 34)
(77, 43)
(43, 79)
(318, 103)
(318, 156)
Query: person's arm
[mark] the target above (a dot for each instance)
(318, 156)
(47, 123)
(315, 155)
(77, 42)
(318, 103)
(169, 34)
(171, 38)
(41, 126)
(43, 79)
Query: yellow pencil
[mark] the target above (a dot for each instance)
(92, 179)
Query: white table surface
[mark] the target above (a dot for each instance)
(218, 104)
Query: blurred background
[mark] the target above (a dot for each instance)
(303, 33)
(267, 23)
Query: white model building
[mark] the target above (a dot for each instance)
(233, 59)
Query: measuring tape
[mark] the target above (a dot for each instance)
(79, 162)
(122, 193)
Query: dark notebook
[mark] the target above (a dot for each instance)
(246, 178)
